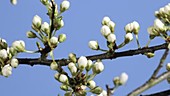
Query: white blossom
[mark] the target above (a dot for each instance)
(62, 38)
(6, 70)
(98, 67)
(111, 38)
(14, 62)
(82, 62)
(54, 40)
(64, 5)
(63, 78)
(53, 66)
(167, 9)
(105, 20)
(123, 78)
(37, 21)
(31, 34)
(45, 27)
(104, 93)
(19, 45)
(89, 65)
(94, 45)
(72, 67)
(111, 25)
(136, 27)
(168, 66)
(3, 54)
(91, 84)
(129, 28)
(14, 2)
(105, 30)
(159, 25)
(128, 37)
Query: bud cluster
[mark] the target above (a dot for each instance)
(161, 24)
(164, 14)
(7, 56)
(78, 82)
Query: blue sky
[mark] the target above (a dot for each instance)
(82, 24)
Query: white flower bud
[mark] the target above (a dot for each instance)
(105, 20)
(116, 81)
(3, 54)
(89, 65)
(62, 38)
(14, 2)
(97, 90)
(72, 57)
(98, 67)
(128, 37)
(63, 78)
(64, 5)
(111, 25)
(129, 28)
(53, 66)
(136, 27)
(167, 9)
(94, 45)
(91, 84)
(82, 63)
(45, 27)
(72, 67)
(45, 2)
(162, 10)
(37, 21)
(159, 25)
(14, 62)
(111, 38)
(54, 41)
(64, 87)
(3, 44)
(6, 70)
(105, 30)
(19, 45)
(104, 93)
(61, 23)
(31, 34)
(151, 30)
(168, 67)
(123, 78)
(169, 46)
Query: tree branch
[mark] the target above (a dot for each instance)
(64, 62)
(162, 93)
(150, 84)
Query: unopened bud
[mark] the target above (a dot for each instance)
(62, 38)
(94, 45)
(168, 67)
(98, 67)
(97, 90)
(64, 5)
(54, 66)
(128, 37)
(72, 57)
(14, 62)
(31, 34)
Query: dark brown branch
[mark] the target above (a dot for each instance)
(162, 93)
(64, 62)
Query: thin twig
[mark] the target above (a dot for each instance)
(148, 85)
(160, 64)
(152, 80)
